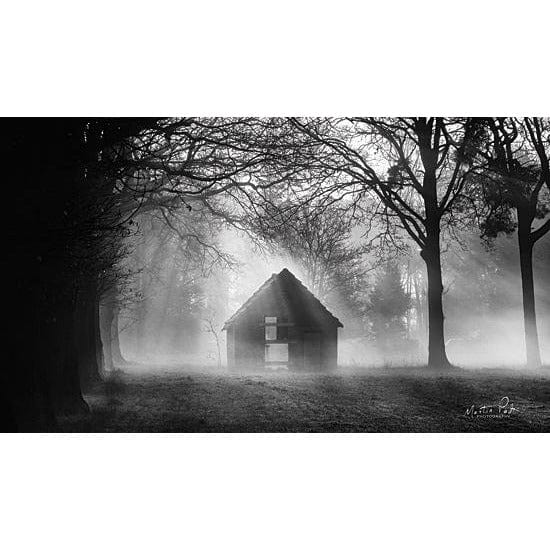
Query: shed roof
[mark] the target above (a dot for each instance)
(290, 290)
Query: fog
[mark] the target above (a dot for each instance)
(177, 303)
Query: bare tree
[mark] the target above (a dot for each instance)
(80, 184)
(418, 169)
(210, 327)
(319, 239)
(516, 191)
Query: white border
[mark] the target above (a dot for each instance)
(292, 57)
(274, 491)
(62, 58)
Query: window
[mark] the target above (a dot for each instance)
(276, 353)
(270, 328)
(274, 329)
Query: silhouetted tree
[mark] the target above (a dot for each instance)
(62, 174)
(74, 186)
(516, 190)
(418, 169)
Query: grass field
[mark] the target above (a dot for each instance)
(185, 399)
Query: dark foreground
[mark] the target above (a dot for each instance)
(368, 400)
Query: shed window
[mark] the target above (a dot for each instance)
(270, 328)
(276, 353)
(274, 330)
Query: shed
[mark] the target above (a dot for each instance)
(282, 325)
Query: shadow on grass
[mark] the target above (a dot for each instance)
(383, 399)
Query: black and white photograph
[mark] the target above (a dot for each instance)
(262, 274)
(256, 257)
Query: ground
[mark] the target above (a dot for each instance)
(186, 399)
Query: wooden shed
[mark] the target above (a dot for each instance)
(282, 325)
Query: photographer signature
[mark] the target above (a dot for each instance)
(503, 409)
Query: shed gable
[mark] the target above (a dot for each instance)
(288, 295)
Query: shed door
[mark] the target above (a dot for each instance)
(312, 350)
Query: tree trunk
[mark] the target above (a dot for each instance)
(532, 349)
(87, 335)
(428, 140)
(28, 405)
(419, 306)
(97, 336)
(106, 316)
(66, 391)
(118, 358)
(43, 380)
(217, 338)
(431, 254)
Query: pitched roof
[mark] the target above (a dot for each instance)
(291, 290)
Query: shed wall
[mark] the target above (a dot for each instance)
(246, 336)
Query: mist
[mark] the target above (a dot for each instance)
(415, 243)
(179, 316)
